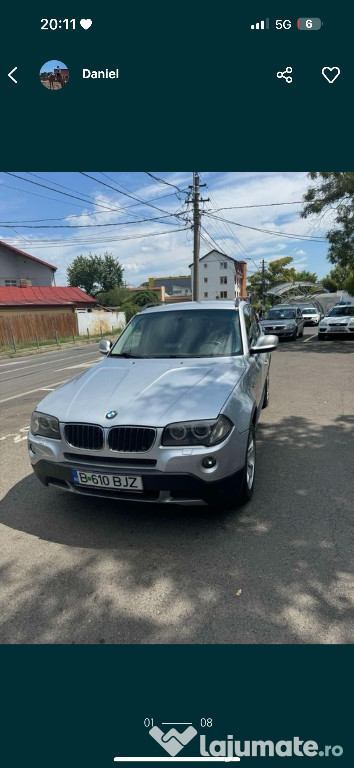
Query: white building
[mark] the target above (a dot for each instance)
(220, 277)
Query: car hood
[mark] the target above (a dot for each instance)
(279, 323)
(337, 320)
(146, 392)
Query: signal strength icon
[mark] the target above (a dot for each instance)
(261, 25)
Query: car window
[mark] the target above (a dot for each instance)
(252, 326)
(280, 314)
(341, 312)
(177, 333)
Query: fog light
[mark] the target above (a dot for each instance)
(208, 462)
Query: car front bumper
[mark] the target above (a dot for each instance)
(169, 475)
(158, 487)
(280, 332)
(335, 330)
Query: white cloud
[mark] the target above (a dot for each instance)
(171, 253)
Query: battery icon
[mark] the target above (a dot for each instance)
(309, 24)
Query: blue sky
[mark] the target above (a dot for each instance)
(49, 66)
(57, 216)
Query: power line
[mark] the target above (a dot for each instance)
(59, 244)
(66, 194)
(86, 226)
(133, 197)
(290, 235)
(257, 205)
(233, 238)
(163, 181)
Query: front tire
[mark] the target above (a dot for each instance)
(240, 497)
(249, 468)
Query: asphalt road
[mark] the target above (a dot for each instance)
(80, 570)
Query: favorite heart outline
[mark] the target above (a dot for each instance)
(330, 70)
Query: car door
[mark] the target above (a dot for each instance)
(259, 363)
(300, 321)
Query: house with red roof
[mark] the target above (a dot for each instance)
(18, 268)
(37, 313)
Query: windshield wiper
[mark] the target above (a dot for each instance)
(128, 354)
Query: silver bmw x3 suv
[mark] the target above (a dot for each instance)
(169, 415)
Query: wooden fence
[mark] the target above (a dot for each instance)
(35, 326)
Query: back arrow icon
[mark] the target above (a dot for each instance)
(11, 73)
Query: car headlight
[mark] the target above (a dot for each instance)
(197, 432)
(44, 425)
(290, 325)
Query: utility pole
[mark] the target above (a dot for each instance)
(263, 279)
(196, 200)
(196, 238)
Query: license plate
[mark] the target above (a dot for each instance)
(338, 329)
(113, 482)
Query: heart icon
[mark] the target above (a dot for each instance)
(86, 23)
(331, 73)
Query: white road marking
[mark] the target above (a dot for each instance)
(46, 362)
(309, 338)
(30, 392)
(79, 365)
(18, 437)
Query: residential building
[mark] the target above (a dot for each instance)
(174, 286)
(220, 277)
(29, 314)
(20, 269)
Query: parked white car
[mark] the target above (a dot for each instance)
(311, 315)
(339, 321)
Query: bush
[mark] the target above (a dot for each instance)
(130, 310)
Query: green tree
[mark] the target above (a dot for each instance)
(339, 278)
(140, 298)
(95, 273)
(84, 273)
(111, 272)
(278, 271)
(334, 191)
(115, 297)
(305, 276)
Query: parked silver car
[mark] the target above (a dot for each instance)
(285, 321)
(339, 321)
(168, 416)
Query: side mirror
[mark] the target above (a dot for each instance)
(264, 344)
(104, 346)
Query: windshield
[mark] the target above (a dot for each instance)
(341, 312)
(309, 311)
(181, 333)
(281, 314)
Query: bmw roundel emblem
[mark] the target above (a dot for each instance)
(111, 414)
